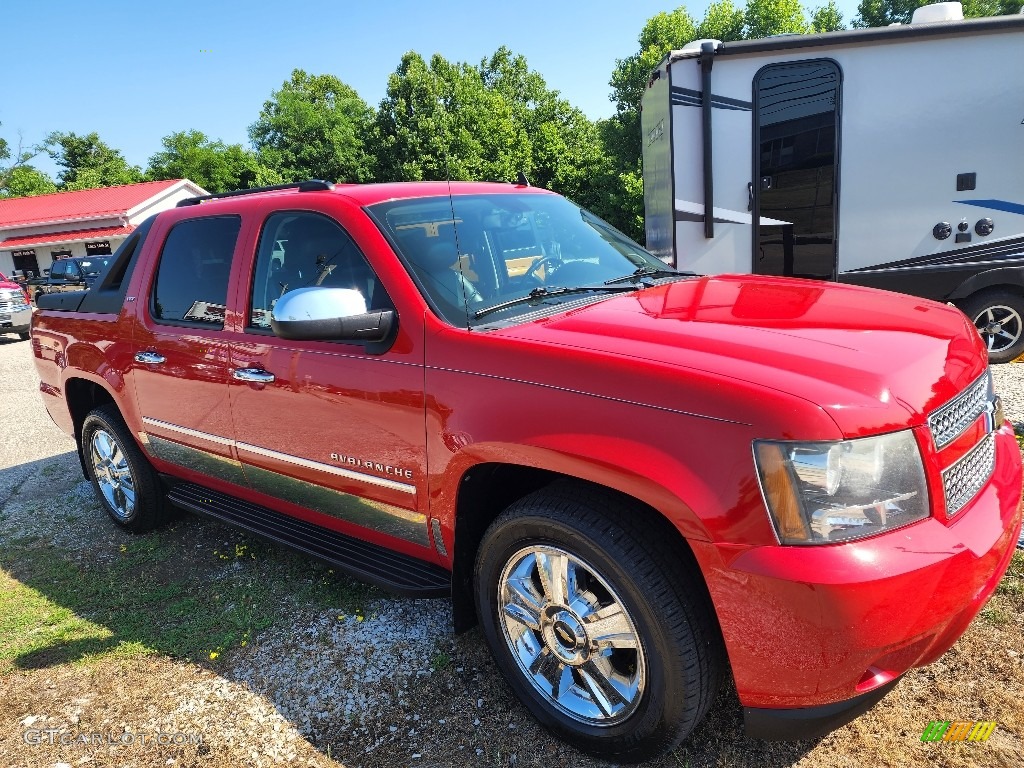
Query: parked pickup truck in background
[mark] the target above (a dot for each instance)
(15, 312)
(636, 480)
(71, 274)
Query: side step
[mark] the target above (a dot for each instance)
(368, 562)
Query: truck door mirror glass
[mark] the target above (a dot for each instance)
(329, 314)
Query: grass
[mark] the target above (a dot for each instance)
(151, 596)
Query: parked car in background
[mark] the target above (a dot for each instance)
(74, 274)
(15, 312)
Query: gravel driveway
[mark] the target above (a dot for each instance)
(387, 685)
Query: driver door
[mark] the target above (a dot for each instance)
(329, 426)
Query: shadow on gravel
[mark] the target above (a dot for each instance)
(76, 588)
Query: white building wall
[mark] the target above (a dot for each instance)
(161, 201)
(166, 199)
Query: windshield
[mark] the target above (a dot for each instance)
(92, 267)
(481, 259)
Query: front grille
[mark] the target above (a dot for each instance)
(962, 481)
(12, 301)
(950, 421)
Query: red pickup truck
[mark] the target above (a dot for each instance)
(636, 480)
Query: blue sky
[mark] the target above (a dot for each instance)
(135, 72)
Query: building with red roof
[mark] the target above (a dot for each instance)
(34, 231)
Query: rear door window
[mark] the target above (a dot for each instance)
(192, 277)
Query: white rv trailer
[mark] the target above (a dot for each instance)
(889, 157)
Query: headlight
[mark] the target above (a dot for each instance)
(818, 493)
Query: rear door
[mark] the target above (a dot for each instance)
(181, 348)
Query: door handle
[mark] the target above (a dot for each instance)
(253, 375)
(150, 358)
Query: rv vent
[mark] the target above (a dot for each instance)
(694, 45)
(929, 14)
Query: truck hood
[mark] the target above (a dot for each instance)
(873, 360)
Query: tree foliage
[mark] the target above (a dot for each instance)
(440, 121)
(314, 126)
(24, 181)
(882, 13)
(774, 17)
(87, 162)
(17, 177)
(213, 165)
(827, 18)
(564, 147)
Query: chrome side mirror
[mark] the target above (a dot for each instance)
(330, 314)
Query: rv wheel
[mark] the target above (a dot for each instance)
(999, 318)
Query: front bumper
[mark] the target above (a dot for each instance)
(819, 628)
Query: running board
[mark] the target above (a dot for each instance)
(368, 562)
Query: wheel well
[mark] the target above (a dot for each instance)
(1014, 288)
(487, 490)
(82, 397)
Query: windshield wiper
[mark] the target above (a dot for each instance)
(544, 293)
(640, 272)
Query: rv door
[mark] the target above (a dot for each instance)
(796, 169)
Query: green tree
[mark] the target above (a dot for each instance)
(441, 121)
(87, 162)
(827, 18)
(565, 152)
(314, 126)
(213, 165)
(24, 181)
(774, 17)
(15, 173)
(882, 13)
(663, 32)
(722, 21)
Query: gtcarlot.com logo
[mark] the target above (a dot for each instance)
(958, 730)
(55, 736)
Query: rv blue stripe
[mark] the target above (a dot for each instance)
(996, 205)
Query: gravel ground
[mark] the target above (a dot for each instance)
(390, 686)
(1009, 384)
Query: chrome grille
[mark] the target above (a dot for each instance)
(950, 421)
(962, 481)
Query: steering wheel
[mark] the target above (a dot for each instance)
(554, 261)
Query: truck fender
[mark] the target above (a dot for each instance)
(622, 478)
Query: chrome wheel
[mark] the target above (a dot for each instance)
(113, 474)
(1000, 327)
(571, 636)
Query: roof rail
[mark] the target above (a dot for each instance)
(313, 185)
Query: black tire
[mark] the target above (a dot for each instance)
(1001, 309)
(149, 508)
(664, 600)
(24, 336)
